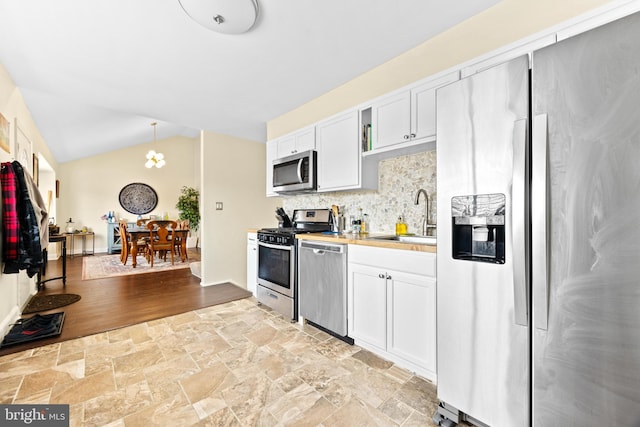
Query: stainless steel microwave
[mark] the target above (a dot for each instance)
(295, 173)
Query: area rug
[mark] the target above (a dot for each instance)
(96, 267)
(49, 302)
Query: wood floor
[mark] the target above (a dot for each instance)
(114, 302)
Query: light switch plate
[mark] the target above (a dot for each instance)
(218, 206)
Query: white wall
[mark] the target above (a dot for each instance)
(90, 187)
(505, 23)
(233, 172)
(12, 106)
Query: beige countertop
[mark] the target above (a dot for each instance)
(367, 240)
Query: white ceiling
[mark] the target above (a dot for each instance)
(95, 74)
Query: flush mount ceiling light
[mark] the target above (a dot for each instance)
(153, 158)
(222, 16)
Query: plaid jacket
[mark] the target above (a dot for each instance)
(10, 223)
(29, 249)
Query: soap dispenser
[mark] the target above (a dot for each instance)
(401, 226)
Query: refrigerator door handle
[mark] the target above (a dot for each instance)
(539, 222)
(519, 230)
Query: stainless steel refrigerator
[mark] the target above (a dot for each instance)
(539, 238)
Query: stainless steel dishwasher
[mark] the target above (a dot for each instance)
(322, 284)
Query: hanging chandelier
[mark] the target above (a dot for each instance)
(153, 158)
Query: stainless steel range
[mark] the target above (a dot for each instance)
(277, 258)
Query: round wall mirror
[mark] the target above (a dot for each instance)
(138, 198)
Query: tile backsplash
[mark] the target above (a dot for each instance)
(399, 180)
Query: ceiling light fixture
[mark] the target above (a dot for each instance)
(153, 158)
(222, 16)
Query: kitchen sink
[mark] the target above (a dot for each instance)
(421, 240)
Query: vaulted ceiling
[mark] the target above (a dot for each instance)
(95, 74)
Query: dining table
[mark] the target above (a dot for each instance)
(137, 233)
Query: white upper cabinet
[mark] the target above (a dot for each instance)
(391, 120)
(350, 144)
(423, 107)
(404, 118)
(338, 152)
(272, 154)
(297, 142)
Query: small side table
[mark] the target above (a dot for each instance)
(54, 239)
(83, 235)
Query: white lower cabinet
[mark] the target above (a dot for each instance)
(392, 305)
(412, 320)
(368, 297)
(252, 262)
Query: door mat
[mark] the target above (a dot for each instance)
(49, 302)
(34, 328)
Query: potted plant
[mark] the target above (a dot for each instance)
(189, 207)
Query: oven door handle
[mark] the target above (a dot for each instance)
(281, 247)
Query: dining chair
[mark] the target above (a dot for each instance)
(124, 241)
(127, 246)
(160, 238)
(143, 240)
(178, 239)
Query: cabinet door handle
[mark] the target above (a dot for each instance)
(406, 137)
(381, 276)
(413, 135)
(388, 277)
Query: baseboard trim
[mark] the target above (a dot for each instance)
(221, 282)
(9, 320)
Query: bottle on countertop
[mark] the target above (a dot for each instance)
(355, 225)
(401, 226)
(361, 222)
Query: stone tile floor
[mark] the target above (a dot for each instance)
(235, 364)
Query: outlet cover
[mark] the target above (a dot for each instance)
(218, 206)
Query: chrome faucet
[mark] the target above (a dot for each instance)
(425, 220)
